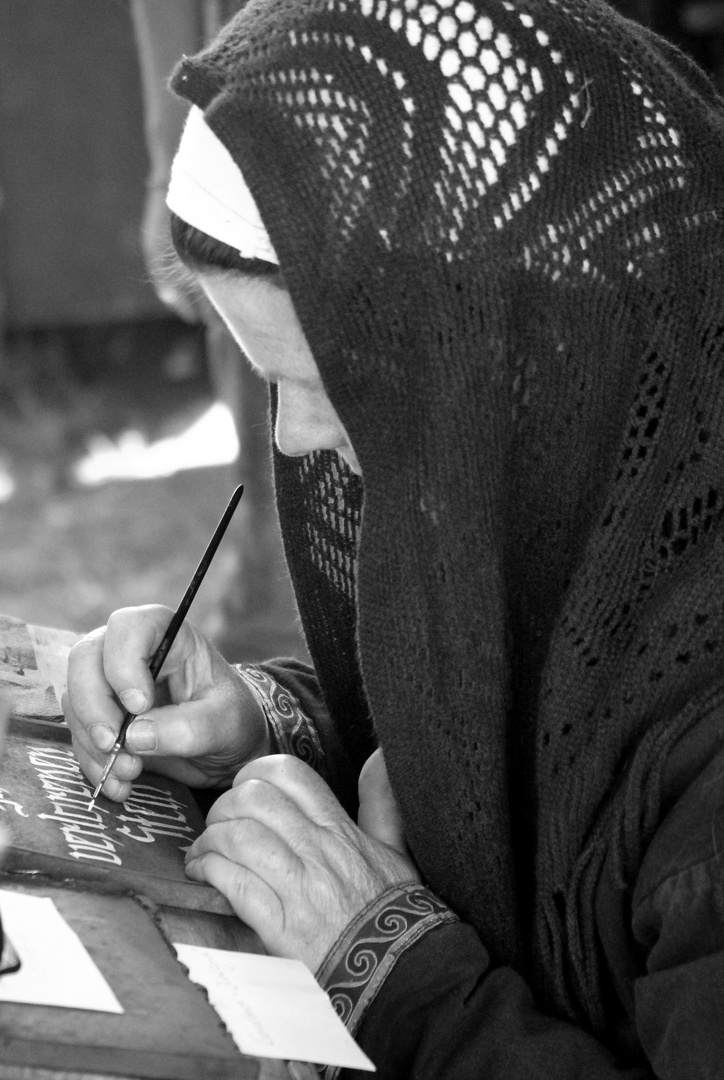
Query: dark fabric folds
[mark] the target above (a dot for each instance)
(501, 223)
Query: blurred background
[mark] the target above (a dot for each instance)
(125, 421)
(126, 417)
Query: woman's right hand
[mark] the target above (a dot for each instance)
(199, 723)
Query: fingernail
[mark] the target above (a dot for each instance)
(135, 701)
(141, 736)
(102, 736)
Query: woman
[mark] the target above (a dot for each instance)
(476, 247)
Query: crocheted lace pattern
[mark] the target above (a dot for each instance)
(500, 222)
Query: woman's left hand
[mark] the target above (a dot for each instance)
(291, 862)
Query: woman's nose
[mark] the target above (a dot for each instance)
(305, 421)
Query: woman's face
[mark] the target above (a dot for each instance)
(261, 318)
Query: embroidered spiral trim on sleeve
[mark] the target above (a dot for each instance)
(363, 957)
(291, 729)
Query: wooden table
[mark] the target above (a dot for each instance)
(176, 925)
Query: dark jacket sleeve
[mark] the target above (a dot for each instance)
(678, 921)
(446, 1014)
(443, 1012)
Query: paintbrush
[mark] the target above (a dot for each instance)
(173, 628)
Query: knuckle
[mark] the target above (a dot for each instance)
(116, 789)
(85, 646)
(127, 767)
(126, 621)
(252, 793)
(120, 624)
(123, 614)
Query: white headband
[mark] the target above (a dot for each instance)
(208, 191)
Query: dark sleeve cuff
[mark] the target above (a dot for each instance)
(291, 730)
(360, 961)
(339, 770)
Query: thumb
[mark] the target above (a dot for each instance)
(379, 815)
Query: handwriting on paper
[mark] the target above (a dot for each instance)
(273, 1007)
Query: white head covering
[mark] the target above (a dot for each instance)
(208, 191)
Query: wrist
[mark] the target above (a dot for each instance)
(290, 730)
(265, 743)
(364, 955)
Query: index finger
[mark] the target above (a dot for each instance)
(91, 710)
(131, 639)
(90, 696)
(110, 665)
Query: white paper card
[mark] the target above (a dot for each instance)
(51, 655)
(55, 967)
(273, 1007)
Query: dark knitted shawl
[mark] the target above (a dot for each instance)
(501, 225)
